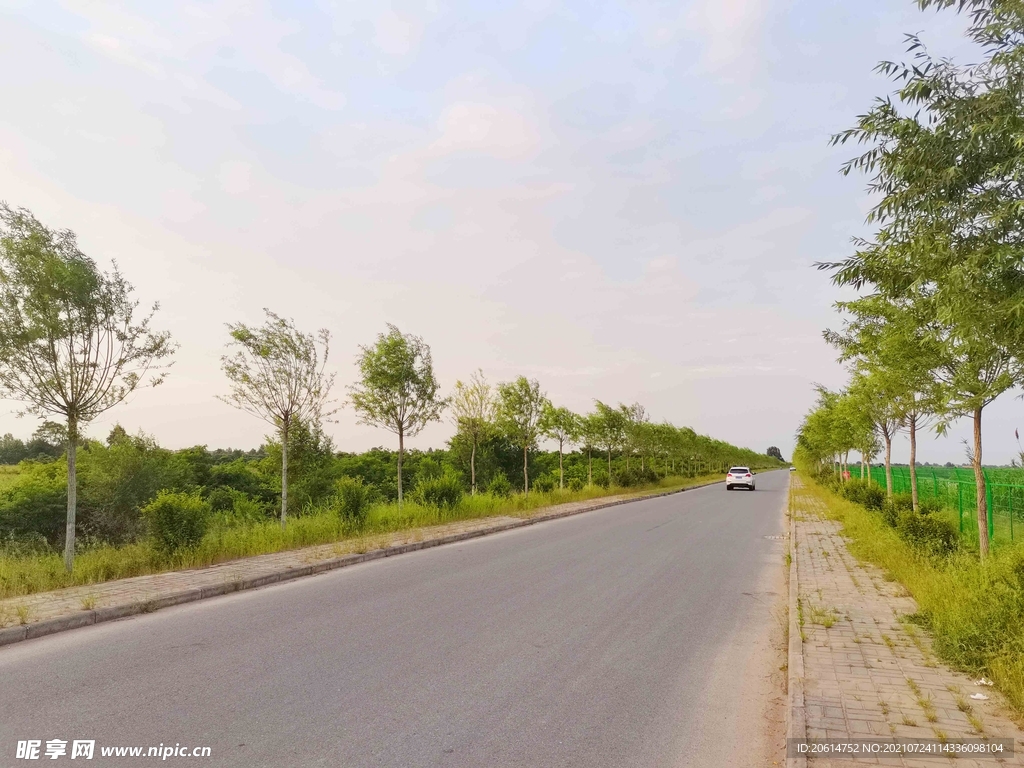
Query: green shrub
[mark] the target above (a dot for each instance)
(353, 499)
(36, 504)
(222, 498)
(577, 483)
(933, 535)
(444, 492)
(177, 521)
(544, 484)
(893, 506)
(500, 486)
(601, 478)
(864, 492)
(627, 478)
(929, 505)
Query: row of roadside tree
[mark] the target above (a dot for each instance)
(73, 344)
(937, 331)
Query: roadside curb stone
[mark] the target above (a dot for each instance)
(797, 721)
(144, 594)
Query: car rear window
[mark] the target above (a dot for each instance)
(738, 470)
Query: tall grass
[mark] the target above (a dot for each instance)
(974, 609)
(28, 573)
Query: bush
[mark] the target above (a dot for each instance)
(577, 483)
(222, 498)
(500, 486)
(627, 478)
(36, 505)
(864, 492)
(353, 499)
(601, 478)
(444, 492)
(544, 484)
(929, 506)
(177, 521)
(892, 507)
(933, 535)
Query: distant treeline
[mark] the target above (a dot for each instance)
(117, 477)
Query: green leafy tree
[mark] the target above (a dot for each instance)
(397, 389)
(564, 427)
(590, 438)
(277, 373)
(72, 343)
(896, 345)
(611, 429)
(520, 405)
(634, 420)
(473, 412)
(945, 161)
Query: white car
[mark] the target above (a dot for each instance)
(739, 477)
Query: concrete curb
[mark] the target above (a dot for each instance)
(796, 714)
(16, 634)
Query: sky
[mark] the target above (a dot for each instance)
(624, 201)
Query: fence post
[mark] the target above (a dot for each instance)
(1011, 490)
(960, 503)
(988, 504)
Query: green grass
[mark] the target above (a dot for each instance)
(27, 574)
(974, 609)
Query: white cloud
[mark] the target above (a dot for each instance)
(495, 130)
(397, 34)
(729, 31)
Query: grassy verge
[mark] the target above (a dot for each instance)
(974, 609)
(27, 574)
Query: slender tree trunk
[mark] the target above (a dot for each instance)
(401, 455)
(888, 464)
(526, 471)
(561, 473)
(913, 460)
(590, 466)
(69, 531)
(609, 465)
(643, 462)
(979, 480)
(284, 471)
(472, 468)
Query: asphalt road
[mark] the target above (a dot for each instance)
(631, 636)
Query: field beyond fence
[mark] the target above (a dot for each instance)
(955, 489)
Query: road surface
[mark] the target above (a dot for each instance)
(639, 635)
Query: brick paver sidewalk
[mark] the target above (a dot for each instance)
(869, 674)
(47, 612)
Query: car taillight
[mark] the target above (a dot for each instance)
(748, 475)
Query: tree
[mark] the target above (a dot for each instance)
(895, 343)
(611, 427)
(71, 343)
(277, 373)
(473, 411)
(520, 405)
(945, 162)
(398, 390)
(635, 421)
(564, 427)
(774, 452)
(590, 438)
